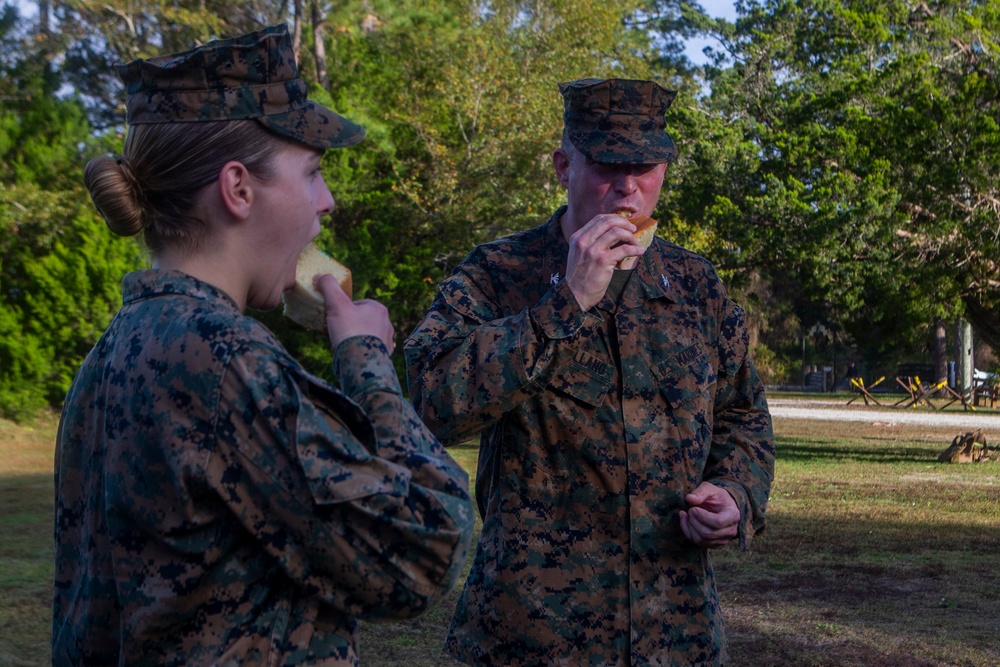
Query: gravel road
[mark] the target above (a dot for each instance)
(834, 411)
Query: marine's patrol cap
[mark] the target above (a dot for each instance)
(619, 121)
(251, 76)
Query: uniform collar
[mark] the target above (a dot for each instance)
(652, 279)
(554, 263)
(154, 282)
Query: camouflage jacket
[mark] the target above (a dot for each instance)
(594, 427)
(216, 504)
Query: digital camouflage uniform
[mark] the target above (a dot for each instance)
(215, 503)
(594, 428)
(218, 505)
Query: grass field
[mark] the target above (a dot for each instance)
(875, 554)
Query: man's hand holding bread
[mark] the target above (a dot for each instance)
(602, 245)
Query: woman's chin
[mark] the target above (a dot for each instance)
(264, 302)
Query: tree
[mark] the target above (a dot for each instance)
(865, 159)
(672, 22)
(59, 265)
(460, 100)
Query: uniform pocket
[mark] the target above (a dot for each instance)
(685, 377)
(334, 444)
(586, 378)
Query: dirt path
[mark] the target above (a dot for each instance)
(834, 411)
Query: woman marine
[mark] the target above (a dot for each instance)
(216, 503)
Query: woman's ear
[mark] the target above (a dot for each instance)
(236, 189)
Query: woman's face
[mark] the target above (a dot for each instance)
(289, 207)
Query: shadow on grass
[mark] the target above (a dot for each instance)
(799, 452)
(858, 593)
(26, 568)
(875, 592)
(888, 448)
(841, 591)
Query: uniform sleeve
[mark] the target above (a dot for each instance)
(468, 362)
(353, 496)
(742, 453)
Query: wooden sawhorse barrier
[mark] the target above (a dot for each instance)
(865, 392)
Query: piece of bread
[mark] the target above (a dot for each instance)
(303, 303)
(645, 229)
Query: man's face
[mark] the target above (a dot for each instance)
(593, 188)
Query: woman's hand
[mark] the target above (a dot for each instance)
(346, 318)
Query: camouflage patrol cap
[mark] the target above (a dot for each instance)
(251, 76)
(618, 121)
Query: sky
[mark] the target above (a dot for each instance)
(717, 9)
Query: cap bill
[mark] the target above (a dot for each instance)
(314, 125)
(610, 147)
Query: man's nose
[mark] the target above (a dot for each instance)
(625, 181)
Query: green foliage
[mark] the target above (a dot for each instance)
(838, 159)
(60, 267)
(60, 270)
(850, 160)
(773, 368)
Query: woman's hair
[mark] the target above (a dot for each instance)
(153, 187)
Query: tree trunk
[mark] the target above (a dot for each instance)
(297, 32)
(986, 318)
(319, 47)
(43, 17)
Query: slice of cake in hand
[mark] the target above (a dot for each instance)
(303, 303)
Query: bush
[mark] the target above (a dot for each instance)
(60, 284)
